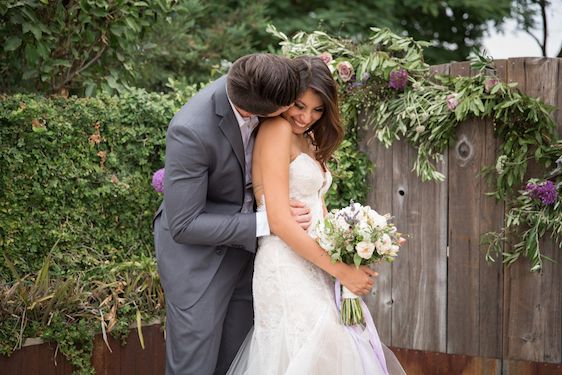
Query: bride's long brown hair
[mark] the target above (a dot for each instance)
(326, 133)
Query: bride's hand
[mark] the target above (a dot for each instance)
(359, 281)
(301, 214)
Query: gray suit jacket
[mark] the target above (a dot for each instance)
(199, 219)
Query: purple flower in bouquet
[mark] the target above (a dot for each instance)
(345, 70)
(489, 84)
(452, 101)
(326, 57)
(398, 79)
(158, 180)
(546, 192)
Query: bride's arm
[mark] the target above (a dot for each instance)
(273, 147)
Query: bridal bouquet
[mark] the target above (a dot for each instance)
(357, 235)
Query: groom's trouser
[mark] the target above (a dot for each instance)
(204, 338)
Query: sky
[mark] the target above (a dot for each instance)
(515, 43)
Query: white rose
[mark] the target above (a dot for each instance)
(342, 223)
(364, 229)
(378, 221)
(383, 244)
(393, 251)
(361, 216)
(365, 249)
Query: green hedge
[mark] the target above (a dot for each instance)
(76, 205)
(75, 177)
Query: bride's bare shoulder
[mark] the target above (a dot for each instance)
(274, 127)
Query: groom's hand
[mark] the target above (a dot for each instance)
(301, 214)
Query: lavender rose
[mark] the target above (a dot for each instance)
(452, 101)
(489, 84)
(326, 57)
(345, 70)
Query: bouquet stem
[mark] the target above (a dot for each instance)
(351, 312)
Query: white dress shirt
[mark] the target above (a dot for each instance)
(247, 126)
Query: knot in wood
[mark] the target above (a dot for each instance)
(464, 150)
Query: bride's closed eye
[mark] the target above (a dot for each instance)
(302, 106)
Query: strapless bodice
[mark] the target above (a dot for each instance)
(308, 183)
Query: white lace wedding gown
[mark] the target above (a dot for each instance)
(296, 329)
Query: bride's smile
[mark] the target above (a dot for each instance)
(307, 110)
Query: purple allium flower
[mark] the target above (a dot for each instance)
(489, 84)
(452, 101)
(326, 57)
(158, 180)
(546, 192)
(398, 79)
(345, 70)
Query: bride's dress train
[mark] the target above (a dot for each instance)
(296, 329)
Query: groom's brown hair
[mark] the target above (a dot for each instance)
(261, 83)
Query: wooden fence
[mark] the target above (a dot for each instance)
(441, 295)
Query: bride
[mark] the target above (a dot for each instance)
(296, 327)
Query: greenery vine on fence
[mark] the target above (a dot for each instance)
(386, 79)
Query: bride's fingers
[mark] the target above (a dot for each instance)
(304, 225)
(305, 218)
(296, 204)
(369, 271)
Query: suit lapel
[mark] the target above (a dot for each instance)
(228, 124)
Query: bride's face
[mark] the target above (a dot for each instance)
(305, 112)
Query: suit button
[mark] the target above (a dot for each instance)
(220, 251)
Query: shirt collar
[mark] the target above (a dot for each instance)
(241, 120)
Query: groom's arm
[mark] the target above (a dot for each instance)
(185, 193)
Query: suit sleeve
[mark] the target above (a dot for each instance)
(185, 192)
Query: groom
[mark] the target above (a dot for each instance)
(205, 230)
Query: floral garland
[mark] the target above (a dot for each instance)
(534, 212)
(386, 85)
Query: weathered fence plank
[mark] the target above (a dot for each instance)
(532, 301)
(558, 112)
(380, 199)
(419, 287)
(474, 287)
